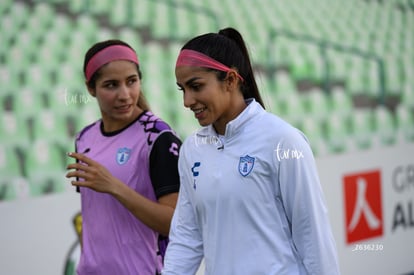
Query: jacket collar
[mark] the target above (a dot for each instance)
(236, 125)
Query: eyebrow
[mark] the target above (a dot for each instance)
(116, 80)
(191, 80)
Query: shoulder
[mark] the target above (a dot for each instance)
(152, 123)
(87, 129)
(154, 127)
(276, 126)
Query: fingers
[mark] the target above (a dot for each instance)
(78, 165)
(79, 169)
(77, 174)
(81, 157)
(84, 173)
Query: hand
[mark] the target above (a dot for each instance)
(94, 175)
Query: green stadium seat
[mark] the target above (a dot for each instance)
(87, 24)
(9, 160)
(385, 126)
(14, 128)
(144, 11)
(50, 125)
(87, 115)
(48, 182)
(341, 102)
(37, 78)
(405, 123)
(17, 60)
(293, 106)
(100, 7)
(27, 101)
(131, 37)
(42, 17)
(43, 164)
(5, 6)
(43, 46)
(313, 129)
(163, 27)
(187, 124)
(13, 188)
(317, 102)
(60, 32)
(101, 35)
(19, 13)
(284, 83)
(337, 132)
(77, 6)
(9, 81)
(362, 128)
(117, 16)
(70, 77)
(407, 96)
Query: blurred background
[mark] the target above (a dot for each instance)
(341, 71)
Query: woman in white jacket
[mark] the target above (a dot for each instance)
(250, 200)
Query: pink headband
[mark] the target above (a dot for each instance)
(111, 53)
(197, 59)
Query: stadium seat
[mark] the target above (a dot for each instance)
(385, 126)
(317, 102)
(133, 38)
(117, 16)
(341, 101)
(87, 115)
(405, 122)
(337, 132)
(9, 160)
(43, 46)
(44, 165)
(50, 125)
(5, 6)
(38, 78)
(313, 129)
(10, 81)
(14, 128)
(13, 188)
(362, 128)
(27, 101)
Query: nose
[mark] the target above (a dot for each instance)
(188, 99)
(123, 92)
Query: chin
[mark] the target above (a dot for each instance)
(204, 123)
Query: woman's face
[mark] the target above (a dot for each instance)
(211, 100)
(117, 91)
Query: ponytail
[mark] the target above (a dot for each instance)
(228, 47)
(249, 86)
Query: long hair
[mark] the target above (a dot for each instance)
(142, 102)
(228, 47)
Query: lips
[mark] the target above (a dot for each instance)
(123, 108)
(198, 112)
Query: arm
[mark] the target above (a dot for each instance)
(185, 249)
(155, 215)
(306, 210)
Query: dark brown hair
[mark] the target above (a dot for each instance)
(228, 47)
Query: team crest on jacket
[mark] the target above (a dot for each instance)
(246, 164)
(122, 156)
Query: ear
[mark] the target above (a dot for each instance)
(91, 91)
(232, 80)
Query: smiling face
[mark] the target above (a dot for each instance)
(212, 101)
(117, 91)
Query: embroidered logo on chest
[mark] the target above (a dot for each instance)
(122, 155)
(246, 164)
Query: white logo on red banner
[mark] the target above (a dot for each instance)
(363, 206)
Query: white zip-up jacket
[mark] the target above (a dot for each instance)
(250, 202)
